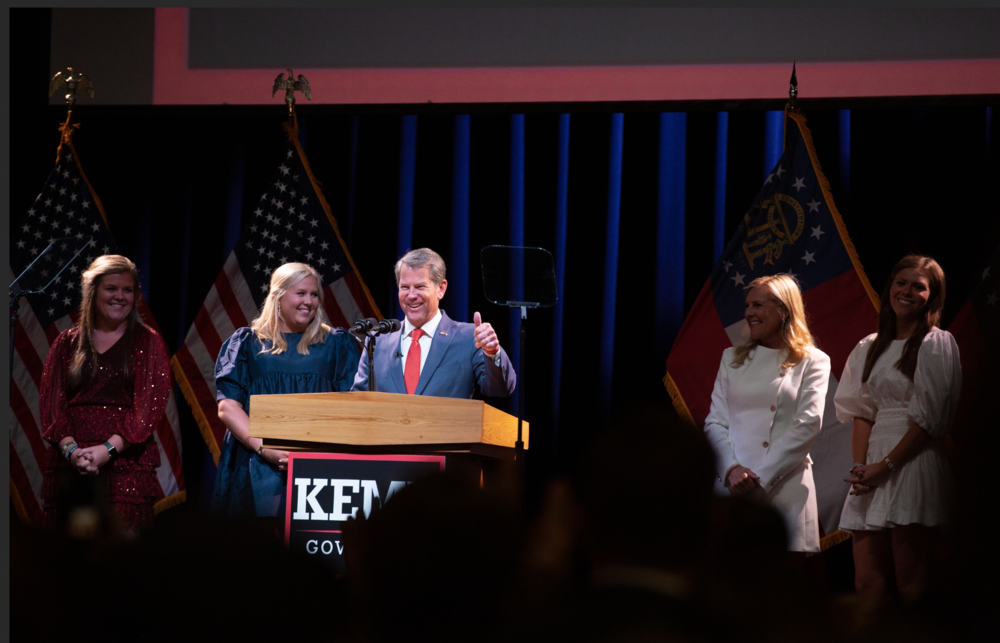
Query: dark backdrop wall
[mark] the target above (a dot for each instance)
(908, 175)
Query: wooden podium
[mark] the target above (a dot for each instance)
(364, 422)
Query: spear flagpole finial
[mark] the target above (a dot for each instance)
(72, 81)
(793, 87)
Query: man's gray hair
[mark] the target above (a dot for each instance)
(423, 257)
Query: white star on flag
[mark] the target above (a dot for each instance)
(809, 257)
(813, 205)
(991, 299)
(799, 183)
(816, 232)
(738, 279)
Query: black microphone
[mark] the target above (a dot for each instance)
(362, 326)
(387, 326)
(398, 354)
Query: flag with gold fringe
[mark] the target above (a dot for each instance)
(793, 227)
(67, 206)
(291, 221)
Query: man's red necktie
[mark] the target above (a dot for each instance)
(411, 373)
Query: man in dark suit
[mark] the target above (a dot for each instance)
(433, 355)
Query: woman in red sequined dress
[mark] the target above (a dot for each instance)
(104, 389)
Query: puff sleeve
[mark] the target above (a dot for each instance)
(151, 369)
(232, 368)
(717, 421)
(852, 399)
(345, 358)
(937, 384)
(52, 393)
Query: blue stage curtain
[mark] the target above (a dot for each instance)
(611, 260)
(774, 139)
(458, 262)
(844, 117)
(670, 209)
(562, 191)
(719, 215)
(407, 179)
(516, 239)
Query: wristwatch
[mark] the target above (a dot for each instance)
(889, 463)
(112, 451)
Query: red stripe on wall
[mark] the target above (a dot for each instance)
(175, 84)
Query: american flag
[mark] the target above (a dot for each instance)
(66, 207)
(290, 221)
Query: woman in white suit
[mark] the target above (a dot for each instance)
(767, 408)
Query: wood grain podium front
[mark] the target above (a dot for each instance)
(364, 422)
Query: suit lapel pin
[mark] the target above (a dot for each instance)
(444, 333)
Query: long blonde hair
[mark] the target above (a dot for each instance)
(931, 317)
(265, 325)
(90, 282)
(794, 329)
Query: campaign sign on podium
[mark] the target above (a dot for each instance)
(325, 489)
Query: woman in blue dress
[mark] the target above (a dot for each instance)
(289, 348)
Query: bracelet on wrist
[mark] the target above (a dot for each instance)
(69, 449)
(260, 449)
(856, 465)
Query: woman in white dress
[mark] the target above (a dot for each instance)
(900, 387)
(767, 408)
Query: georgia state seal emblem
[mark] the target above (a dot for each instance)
(767, 239)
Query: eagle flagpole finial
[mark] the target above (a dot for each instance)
(291, 85)
(793, 87)
(72, 81)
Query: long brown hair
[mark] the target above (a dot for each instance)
(907, 363)
(91, 281)
(795, 333)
